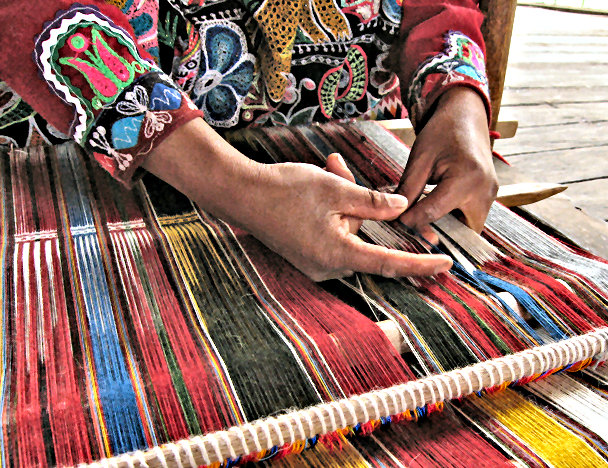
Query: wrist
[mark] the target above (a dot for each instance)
(203, 166)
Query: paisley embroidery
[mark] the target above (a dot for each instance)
(87, 61)
(345, 83)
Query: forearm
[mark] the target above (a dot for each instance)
(197, 161)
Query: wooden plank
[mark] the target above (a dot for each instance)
(551, 114)
(560, 214)
(529, 20)
(564, 167)
(553, 138)
(551, 74)
(403, 129)
(578, 93)
(591, 196)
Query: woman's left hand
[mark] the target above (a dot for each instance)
(452, 151)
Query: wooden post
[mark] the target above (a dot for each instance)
(497, 29)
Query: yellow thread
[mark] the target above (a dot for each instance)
(552, 442)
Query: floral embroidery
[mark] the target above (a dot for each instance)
(462, 60)
(87, 61)
(345, 83)
(129, 126)
(225, 72)
(106, 72)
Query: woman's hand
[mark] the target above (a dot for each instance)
(307, 215)
(311, 217)
(452, 151)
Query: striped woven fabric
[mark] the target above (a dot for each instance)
(131, 319)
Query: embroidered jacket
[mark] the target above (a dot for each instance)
(119, 76)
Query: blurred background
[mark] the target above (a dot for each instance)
(557, 88)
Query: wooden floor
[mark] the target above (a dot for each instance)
(557, 88)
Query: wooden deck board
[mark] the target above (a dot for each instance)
(556, 87)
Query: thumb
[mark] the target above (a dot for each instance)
(370, 204)
(336, 165)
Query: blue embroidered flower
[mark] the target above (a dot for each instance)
(225, 74)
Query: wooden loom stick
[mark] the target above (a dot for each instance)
(402, 129)
(330, 417)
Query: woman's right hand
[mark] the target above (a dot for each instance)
(307, 215)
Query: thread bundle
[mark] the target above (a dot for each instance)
(132, 319)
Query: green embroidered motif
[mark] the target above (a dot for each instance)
(106, 71)
(168, 33)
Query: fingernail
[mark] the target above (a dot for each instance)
(342, 162)
(444, 266)
(396, 201)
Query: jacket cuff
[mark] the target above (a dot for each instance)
(126, 131)
(123, 104)
(461, 63)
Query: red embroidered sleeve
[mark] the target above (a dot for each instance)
(96, 84)
(441, 47)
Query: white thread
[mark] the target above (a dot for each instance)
(176, 456)
(216, 447)
(332, 418)
(351, 409)
(224, 435)
(393, 395)
(160, 456)
(554, 362)
(363, 409)
(447, 380)
(511, 365)
(410, 391)
(254, 436)
(127, 459)
(141, 458)
(277, 430)
(579, 348)
(200, 443)
(336, 405)
(566, 348)
(491, 371)
(319, 415)
(540, 355)
(477, 373)
(382, 397)
(467, 379)
(238, 431)
(266, 430)
(298, 422)
(311, 427)
(285, 419)
(401, 393)
(431, 387)
(187, 448)
(419, 386)
(374, 401)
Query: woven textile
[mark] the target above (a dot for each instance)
(133, 318)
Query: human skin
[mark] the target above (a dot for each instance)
(310, 216)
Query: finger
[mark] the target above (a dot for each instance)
(336, 165)
(429, 235)
(447, 196)
(415, 176)
(475, 214)
(370, 204)
(375, 259)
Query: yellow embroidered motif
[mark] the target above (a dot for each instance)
(279, 21)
